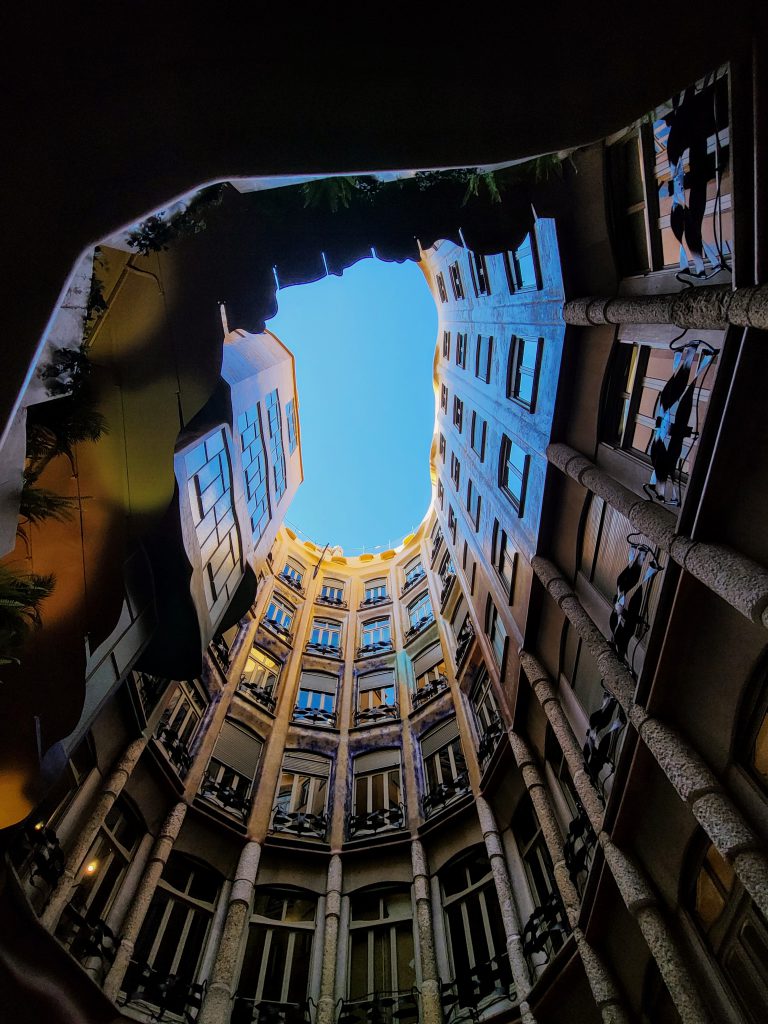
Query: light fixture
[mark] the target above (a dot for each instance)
(90, 868)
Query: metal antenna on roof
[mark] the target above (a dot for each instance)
(319, 561)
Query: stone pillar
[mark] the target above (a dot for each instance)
(110, 791)
(707, 307)
(218, 1001)
(510, 915)
(694, 781)
(604, 989)
(166, 837)
(430, 981)
(215, 933)
(739, 581)
(326, 1004)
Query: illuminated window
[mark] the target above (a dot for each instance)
(302, 794)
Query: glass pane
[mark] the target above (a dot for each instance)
(406, 961)
(299, 974)
(276, 965)
(382, 960)
(358, 965)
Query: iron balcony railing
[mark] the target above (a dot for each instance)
(150, 689)
(545, 930)
(277, 629)
(436, 545)
(579, 847)
(259, 694)
(371, 602)
(379, 647)
(384, 819)
(39, 848)
(444, 793)
(468, 993)
(87, 938)
(490, 740)
(314, 716)
(236, 800)
(289, 581)
(394, 1007)
(249, 1010)
(175, 748)
(323, 650)
(418, 627)
(464, 642)
(334, 602)
(429, 690)
(170, 993)
(447, 587)
(411, 583)
(379, 713)
(299, 822)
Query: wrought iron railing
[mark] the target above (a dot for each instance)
(630, 601)
(386, 818)
(436, 545)
(150, 689)
(314, 716)
(447, 587)
(444, 793)
(379, 713)
(490, 740)
(465, 995)
(249, 1010)
(323, 650)
(605, 726)
(418, 627)
(380, 647)
(277, 629)
(291, 582)
(231, 798)
(299, 822)
(411, 583)
(371, 602)
(428, 690)
(464, 641)
(175, 748)
(219, 651)
(579, 847)
(259, 694)
(333, 602)
(40, 853)
(545, 930)
(382, 1008)
(169, 993)
(86, 938)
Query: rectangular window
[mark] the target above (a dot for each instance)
(326, 633)
(377, 633)
(290, 419)
(458, 413)
(280, 613)
(445, 770)
(513, 472)
(231, 770)
(420, 611)
(376, 590)
(483, 358)
(504, 557)
(302, 794)
(446, 344)
(381, 978)
(522, 267)
(473, 504)
(461, 350)
(523, 373)
(440, 493)
(457, 285)
(260, 674)
(293, 574)
(452, 523)
(444, 398)
(276, 443)
(479, 272)
(376, 697)
(477, 435)
(332, 591)
(277, 959)
(455, 470)
(377, 800)
(441, 287)
(316, 699)
(254, 470)
(414, 571)
(495, 632)
(442, 447)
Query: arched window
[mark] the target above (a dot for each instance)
(274, 978)
(382, 961)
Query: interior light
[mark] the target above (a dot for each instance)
(91, 868)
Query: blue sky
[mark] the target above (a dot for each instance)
(366, 426)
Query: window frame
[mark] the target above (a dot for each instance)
(516, 368)
(484, 365)
(505, 450)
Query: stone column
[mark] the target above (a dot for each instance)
(121, 772)
(708, 307)
(739, 581)
(430, 981)
(604, 989)
(695, 783)
(215, 933)
(510, 915)
(326, 1004)
(218, 1001)
(134, 919)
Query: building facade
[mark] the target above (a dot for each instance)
(515, 768)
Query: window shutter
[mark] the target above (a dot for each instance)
(377, 760)
(439, 737)
(375, 680)
(302, 763)
(425, 660)
(319, 681)
(238, 749)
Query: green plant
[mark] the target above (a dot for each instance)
(156, 233)
(330, 192)
(488, 181)
(38, 504)
(20, 597)
(54, 428)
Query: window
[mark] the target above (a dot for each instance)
(332, 591)
(278, 954)
(293, 574)
(276, 443)
(173, 937)
(280, 613)
(458, 413)
(523, 371)
(232, 768)
(377, 792)
(302, 793)
(179, 722)
(522, 267)
(376, 696)
(446, 344)
(260, 676)
(461, 351)
(474, 929)
(442, 447)
(495, 632)
(429, 667)
(457, 285)
(504, 558)
(440, 493)
(478, 432)
(254, 470)
(414, 571)
(483, 358)
(455, 470)
(473, 504)
(513, 472)
(377, 633)
(478, 270)
(326, 633)
(381, 951)
(209, 485)
(538, 869)
(444, 398)
(441, 288)
(447, 570)
(316, 699)
(376, 590)
(452, 523)
(445, 770)
(489, 725)
(290, 419)
(420, 611)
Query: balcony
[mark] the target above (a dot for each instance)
(291, 582)
(86, 938)
(236, 800)
(464, 642)
(279, 631)
(579, 847)
(411, 583)
(418, 627)
(379, 647)
(169, 993)
(385, 819)
(175, 747)
(490, 740)
(379, 713)
(545, 930)
(149, 689)
(314, 716)
(323, 650)
(40, 853)
(444, 793)
(374, 602)
(332, 602)
(466, 995)
(299, 823)
(436, 545)
(428, 691)
(264, 1011)
(258, 694)
(401, 1007)
(606, 726)
(219, 651)
(448, 580)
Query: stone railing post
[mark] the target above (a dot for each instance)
(430, 982)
